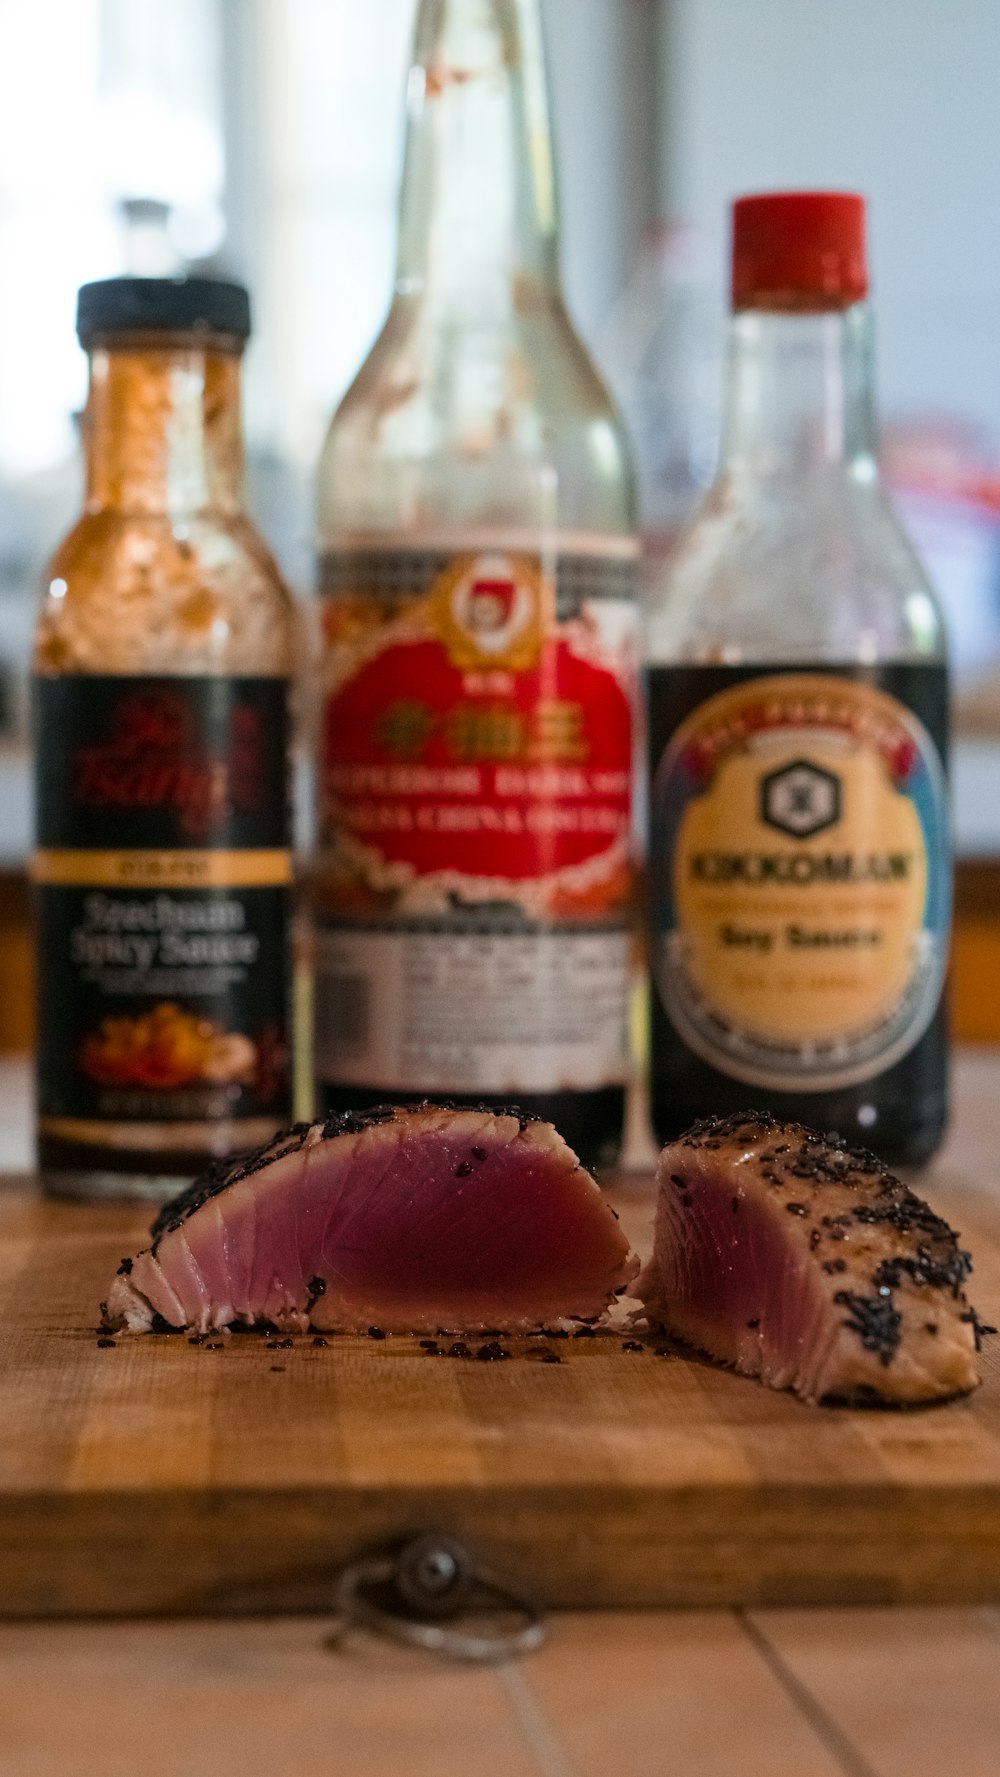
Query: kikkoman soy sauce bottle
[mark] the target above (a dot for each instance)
(481, 638)
(162, 666)
(799, 863)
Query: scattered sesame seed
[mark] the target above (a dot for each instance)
(491, 1353)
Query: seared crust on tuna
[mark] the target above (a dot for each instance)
(804, 1262)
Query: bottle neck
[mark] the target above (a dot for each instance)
(800, 396)
(478, 201)
(163, 429)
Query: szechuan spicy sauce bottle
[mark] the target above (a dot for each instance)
(162, 665)
(799, 868)
(481, 638)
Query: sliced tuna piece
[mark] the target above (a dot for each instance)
(808, 1264)
(402, 1220)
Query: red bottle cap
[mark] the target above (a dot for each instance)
(799, 250)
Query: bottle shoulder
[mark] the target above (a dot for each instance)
(136, 593)
(819, 569)
(504, 419)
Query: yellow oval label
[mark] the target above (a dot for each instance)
(800, 881)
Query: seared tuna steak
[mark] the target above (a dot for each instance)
(401, 1220)
(809, 1265)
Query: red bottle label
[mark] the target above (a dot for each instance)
(473, 744)
(475, 822)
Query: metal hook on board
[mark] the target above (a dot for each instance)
(420, 1593)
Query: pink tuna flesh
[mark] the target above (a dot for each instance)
(809, 1265)
(406, 1220)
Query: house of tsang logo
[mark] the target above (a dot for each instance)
(156, 758)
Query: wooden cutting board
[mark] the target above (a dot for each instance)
(164, 1476)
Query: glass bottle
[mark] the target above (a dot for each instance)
(799, 860)
(662, 352)
(162, 665)
(478, 563)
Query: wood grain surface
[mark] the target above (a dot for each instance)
(160, 1476)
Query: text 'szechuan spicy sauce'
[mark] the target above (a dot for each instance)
(800, 882)
(161, 711)
(480, 663)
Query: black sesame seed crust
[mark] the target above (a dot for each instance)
(947, 1271)
(897, 1248)
(876, 1322)
(229, 1172)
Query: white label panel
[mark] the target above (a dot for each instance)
(495, 1013)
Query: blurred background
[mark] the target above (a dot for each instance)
(261, 139)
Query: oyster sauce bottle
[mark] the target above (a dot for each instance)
(800, 879)
(474, 866)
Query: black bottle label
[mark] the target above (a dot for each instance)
(800, 872)
(162, 894)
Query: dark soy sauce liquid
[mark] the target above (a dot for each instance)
(591, 1123)
(909, 1100)
(901, 1114)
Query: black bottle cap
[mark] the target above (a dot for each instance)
(162, 305)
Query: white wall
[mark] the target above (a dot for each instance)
(895, 98)
(603, 70)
